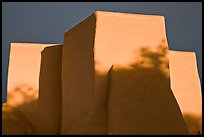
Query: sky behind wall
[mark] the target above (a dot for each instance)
(47, 22)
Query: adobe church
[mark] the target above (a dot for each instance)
(114, 74)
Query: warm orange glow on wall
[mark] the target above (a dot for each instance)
(119, 37)
(33, 95)
(23, 72)
(186, 87)
(113, 75)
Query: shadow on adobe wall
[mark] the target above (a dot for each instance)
(14, 122)
(144, 102)
(136, 101)
(194, 123)
(35, 114)
(50, 91)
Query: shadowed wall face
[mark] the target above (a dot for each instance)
(50, 92)
(141, 102)
(14, 122)
(77, 75)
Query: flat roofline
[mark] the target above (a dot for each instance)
(120, 14)
(129, 14)
(184, 52)
(32, 43)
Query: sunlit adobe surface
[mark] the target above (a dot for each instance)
(27, 77)
(120, 36)
(23, 72)
(186, 87)
(115, 80)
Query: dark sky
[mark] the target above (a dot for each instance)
(47, 22)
